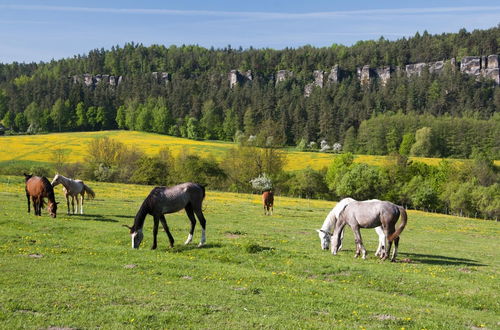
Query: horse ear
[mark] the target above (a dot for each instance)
(318, 230)
(130, 228)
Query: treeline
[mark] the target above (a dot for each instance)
(469, 188)
(198, 102)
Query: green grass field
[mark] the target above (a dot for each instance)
(39, 149)
(256, 271)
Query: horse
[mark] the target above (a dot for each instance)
(73, 188)
(39, 188)
(325, 233)
(370, 214)
(268, 201)
(163, 200)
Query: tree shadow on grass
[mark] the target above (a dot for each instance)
(432, 259)
(91, 217)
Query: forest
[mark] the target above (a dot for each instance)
(449, 114)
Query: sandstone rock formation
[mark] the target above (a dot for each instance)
(283, 75)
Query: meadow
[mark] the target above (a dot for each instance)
(255, 271)
(30, 149)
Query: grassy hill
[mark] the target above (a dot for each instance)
(40, 148)
(256, 271)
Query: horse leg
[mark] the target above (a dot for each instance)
(81, 203)
(165, 226)
(203, 223)
(395, 253)
(336, 240)
(192, 219)
(28, 197)
(359, 243)
(155, 231)
(36, 206)
(381, 242)
(390, 230)
(67, 204)
(341, 240)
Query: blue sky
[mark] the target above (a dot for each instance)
(41, 30)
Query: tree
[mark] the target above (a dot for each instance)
(308, 183)
(81, 115)
(3, 103)
(58, 114)
(8, 119)
(211, 121)
(34, 117)
(193, 128)
(337, 169)
(230, 125)
(20, 122)
(423, 145)
(360, 182)
(406, 144)
(150, 171)
(162, 118)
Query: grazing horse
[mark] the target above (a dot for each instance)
(39, 188)
(73, 188)
(325, 233)
(268, 201)
(370, 214)
(162, 200)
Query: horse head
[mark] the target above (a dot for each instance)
(27, 177)
(136, 236)
(55, 181)
(52, 208)
(325, 237)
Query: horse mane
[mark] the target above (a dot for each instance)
(334, 214)
(49, 189)
(145, 209)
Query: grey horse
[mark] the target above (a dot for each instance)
(370, 214)
(162, 200)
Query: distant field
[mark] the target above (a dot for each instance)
(256, 271)
(40, 148)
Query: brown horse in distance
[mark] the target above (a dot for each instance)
(268, 201)
(39, 188)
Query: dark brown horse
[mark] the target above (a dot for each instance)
(162, 200)
(39, 188)
(268, 201)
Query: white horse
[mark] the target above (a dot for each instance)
(325, 233)
(370, 214)
(73, 188)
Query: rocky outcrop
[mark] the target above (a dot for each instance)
(283, 75)
(415, 69)
(492, 70)
(365, 75)
(318, 82)
(92, 80)
(161, 77)
(384, 74)
(471, 65)
(235, 77)
(335, 75)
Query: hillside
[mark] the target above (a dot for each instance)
(41, 149)
(292, 95)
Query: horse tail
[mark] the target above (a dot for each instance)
(404, 219)
(89, 191)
